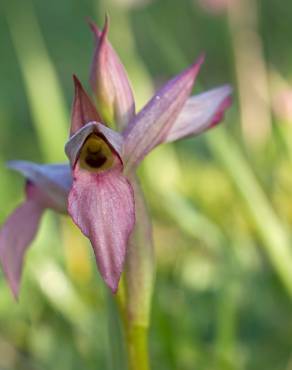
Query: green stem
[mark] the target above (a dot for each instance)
(135, 335)
(116, 356)
(137, 347)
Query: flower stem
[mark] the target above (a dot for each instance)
(116, 356)
(137, 347)
(135, 289)
(135, 335)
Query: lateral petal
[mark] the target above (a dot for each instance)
(16, 235)
(151, 125)
(110, 82)
(200, 113)
(54, 180)
(102, 206)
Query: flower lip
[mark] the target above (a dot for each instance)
(109, 141)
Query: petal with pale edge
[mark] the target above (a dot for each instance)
(110, 83)
(83, 110)
(54, 180)
(74, 145)
(153, 122)
(17, 233)
(102, 206)
(200, 113)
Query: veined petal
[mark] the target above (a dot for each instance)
(17, 233)
(110, 83)
(151, 125)
(53, 179)
(83, 110)
(74, 145)
(102, 206)
(200, 113)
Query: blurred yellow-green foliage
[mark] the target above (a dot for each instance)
(221, 203)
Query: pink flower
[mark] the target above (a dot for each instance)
(101, 198)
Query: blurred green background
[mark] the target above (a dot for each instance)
(221, 203)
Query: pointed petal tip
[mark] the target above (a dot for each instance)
(201, 112)
(201, 58)
(18, 165)
(195, 67)
(12, 282)
(106, 23)
(83, 110)
(13, 245)
(93, 27)
(113, 284)
(228, 89)
(75, 79)
(77, 83)
(225, 104)
(105, 30)
(193, 70)
(11, 164)
(14, 287)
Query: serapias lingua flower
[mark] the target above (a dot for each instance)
(101, 201)
(103, 161)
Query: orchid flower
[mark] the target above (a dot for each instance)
(100, 191)
(102, 198)
(46, 187)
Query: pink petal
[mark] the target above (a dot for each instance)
(110, 83)
(200, 113)
(17, 233)
(83, 110)
(74, 145)
(102, 206)
(54, 180)
(153, 122)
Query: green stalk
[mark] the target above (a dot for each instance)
(137, 347)
(135, 289)
(135, 333)
(116, 357)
